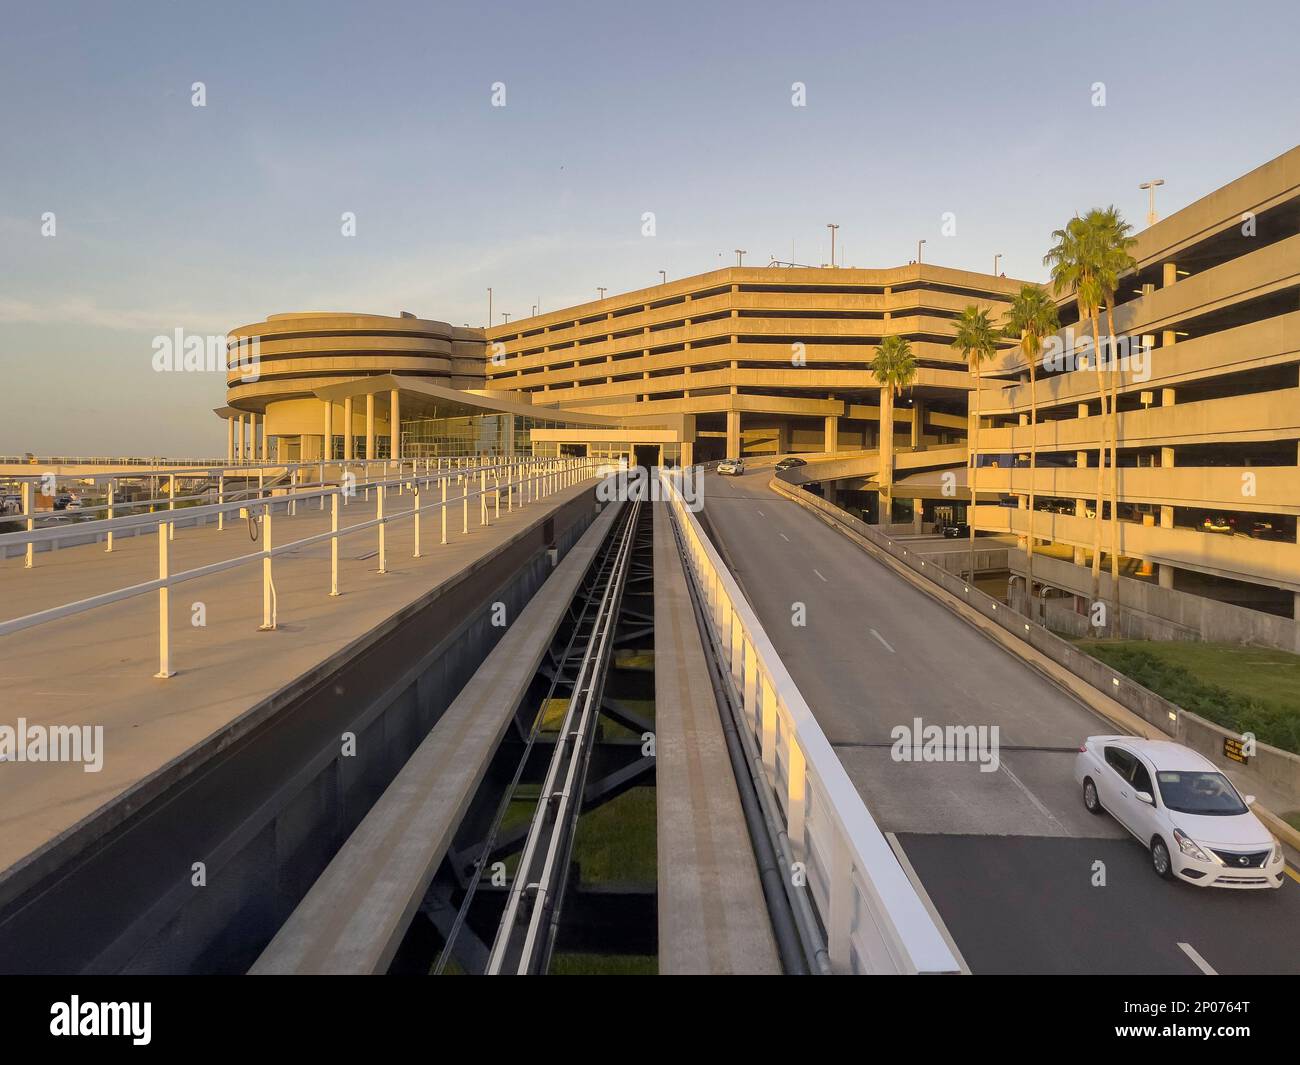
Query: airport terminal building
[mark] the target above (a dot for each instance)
(765, 361)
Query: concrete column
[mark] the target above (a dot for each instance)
(783, 439)
(688, 453)
(230, 440)
(327, 439)
(1170, 274)
(1166, 576)
(832, 434)
(394, 424)
(242, 453)
(1080, 505)
(370, 426)
(733, 434)
(918, 424)
(348, 449)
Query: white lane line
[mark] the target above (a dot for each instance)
(784, 537)
(882, 640)
(819, 573)
(1197, 960)
(761, 514)
(1032, 797)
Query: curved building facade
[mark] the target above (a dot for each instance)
(273, 404)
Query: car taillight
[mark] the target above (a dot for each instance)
(1083, 748)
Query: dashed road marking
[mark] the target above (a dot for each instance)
(1197, 960)
(784, 537)
(882, 640)
(819, 573)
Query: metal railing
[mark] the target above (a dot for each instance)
(874, 919)
(516, 482)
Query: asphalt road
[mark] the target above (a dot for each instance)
(1007, 856)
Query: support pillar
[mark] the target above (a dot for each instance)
(242, 452)
(327, 439)
(394, 424)
(370, 426)
(733, 434)
(349, 448)
(230, 439)
(831, 436)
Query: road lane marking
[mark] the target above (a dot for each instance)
(761, 514)
(1031, 796)
(784, 537)
(882, 640)
(1197, 960)
(819, 573)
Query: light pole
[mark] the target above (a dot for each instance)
(832, 226)
(602, 292)
(489, 307)
(995, 263)
(506, 316)
(534, 310)
(663, 277)
(918, 250)
(740, 257)
(1151, 186)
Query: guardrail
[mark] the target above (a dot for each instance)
(527, 479)
(874, 919)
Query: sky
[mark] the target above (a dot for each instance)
(169, 216)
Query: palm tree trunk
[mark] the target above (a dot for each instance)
(1101, 459)
(1114, 466)
(1033, 470)
(970, 472)
(886, 454)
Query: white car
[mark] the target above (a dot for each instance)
(731, 467)
(1197, 826)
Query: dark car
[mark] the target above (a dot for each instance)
(790, 463)
(956, 531)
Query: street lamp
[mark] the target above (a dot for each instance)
(918, 250)
(995, 263)
(506, 316)
(602, 292)
(740, 257)
(832, 226)
(489, 307)
(1151, 186)
(663, 277)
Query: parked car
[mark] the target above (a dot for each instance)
(731, 467)
(1176, 803)
(1218, 524)
(790, 463)
(956, 530)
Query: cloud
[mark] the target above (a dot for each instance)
(89, 312)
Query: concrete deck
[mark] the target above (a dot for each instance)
(712, 914)
(97, 668)
(354, 917)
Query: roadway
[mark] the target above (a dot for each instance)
(1007, 857)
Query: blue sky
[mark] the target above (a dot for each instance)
(171, 216)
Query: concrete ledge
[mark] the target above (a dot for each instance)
(713, 917)
(354, 917)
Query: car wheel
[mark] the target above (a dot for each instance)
(1090, 800)
(1160, 860)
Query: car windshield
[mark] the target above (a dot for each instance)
(1208, 794)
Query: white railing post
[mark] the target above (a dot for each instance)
(482, 497)
(464, 504)
(334, 543)
(416, 488)
(111, 493)
(768, 723)
(30, 557)
(444, 505)
(164, 610)
(796, 800)
(839, 922)
(496, 492)
(379, 515)
(268, 590)
(171, 504)
(221, 498)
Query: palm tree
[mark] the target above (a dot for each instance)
(895, 368)
(1031, 318)
(1076, 264)
(977, 340)
(1115, 261)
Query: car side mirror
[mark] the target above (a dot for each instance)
(1146, 797)
(1250, 800)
